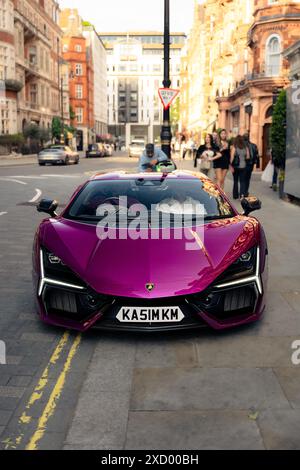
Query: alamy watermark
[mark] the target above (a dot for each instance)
(180, 220)
(296, 353)
(2, 353)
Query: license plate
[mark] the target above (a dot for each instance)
(150, 315)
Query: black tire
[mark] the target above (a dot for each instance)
(42, 164)
(67, 161)
(77, 161)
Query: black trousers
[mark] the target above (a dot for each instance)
(249, 171)
(239, 182)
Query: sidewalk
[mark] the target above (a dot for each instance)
(7, 160)
(236, 390)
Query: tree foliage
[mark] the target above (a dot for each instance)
(56, 128)
(278, 131)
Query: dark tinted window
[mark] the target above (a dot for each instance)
(93, 147)
(155, 194)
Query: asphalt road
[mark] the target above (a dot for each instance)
(200, 390)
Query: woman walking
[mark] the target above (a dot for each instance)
(221, 165)
(208, 153)
(239, 155)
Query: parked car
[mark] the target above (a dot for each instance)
(150, 283)
(58, 154)
(108, 150)
(95, 150)
(136, 148)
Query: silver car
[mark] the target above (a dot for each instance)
(136, 148)
(58, 154)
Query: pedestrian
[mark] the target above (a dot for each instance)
(221, 165)
(183, 147)
(150, 158)
(254, 161)
(208, 153)
(239, 156)
(275, 172)
(216, 139)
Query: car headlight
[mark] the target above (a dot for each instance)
(245, 266)
(55, 269)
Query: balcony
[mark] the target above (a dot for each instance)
(31, 69)
(13, 85)
(30, 30)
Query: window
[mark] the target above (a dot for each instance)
(79, 115)
(65, 48)
(78, 48)
(273, 56)
(79, 92)
(78, 70)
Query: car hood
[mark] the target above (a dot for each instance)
(124, 267)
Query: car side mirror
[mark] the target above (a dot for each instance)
(251, 204)
(48, 206)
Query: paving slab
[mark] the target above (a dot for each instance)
(243, 351)
(289, 379)
(280, 429)
(206, 389)
(209, 430)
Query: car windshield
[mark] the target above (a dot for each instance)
(93, 147)
(147, 196)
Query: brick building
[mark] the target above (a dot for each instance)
(216, 54)
(85, 54)
(249, 106)
(30, 52)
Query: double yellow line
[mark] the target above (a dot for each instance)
(38, 393)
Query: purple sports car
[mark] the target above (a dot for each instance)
(150, 252)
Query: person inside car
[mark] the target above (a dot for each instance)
(150, 158)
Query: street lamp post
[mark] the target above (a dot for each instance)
(166, 134)
(62, 137)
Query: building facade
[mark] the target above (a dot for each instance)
(216, 55)
(135, 73)
(249, 106)
(37, 42)
(8, 86)
(77, 53)
(29, 63)
(98, 52)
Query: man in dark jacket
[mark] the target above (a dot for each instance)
(254, 161)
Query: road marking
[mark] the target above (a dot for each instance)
(37, 196)
(54, 397)
(38, 392)
(28, 177)
(3, 213)
(10, 180)
(63, 176)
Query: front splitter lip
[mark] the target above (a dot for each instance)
(95, 322)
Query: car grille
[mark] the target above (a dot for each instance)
(222, 305)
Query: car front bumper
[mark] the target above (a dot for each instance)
(219, 309)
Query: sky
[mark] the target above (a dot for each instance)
(129, 15)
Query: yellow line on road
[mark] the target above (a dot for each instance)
(38, 391)
(54, 397)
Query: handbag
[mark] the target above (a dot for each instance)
(267, 176)
(236, 160)
(205, 164)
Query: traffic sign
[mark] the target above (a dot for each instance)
(167, 96)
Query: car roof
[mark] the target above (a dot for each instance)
(125, 175)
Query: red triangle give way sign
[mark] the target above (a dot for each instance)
(167, 96)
